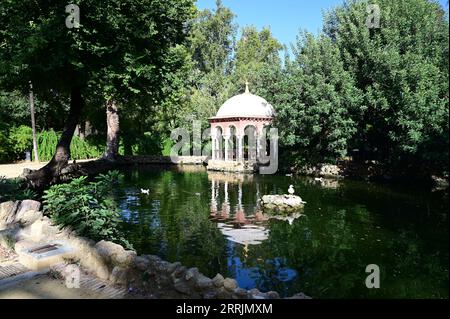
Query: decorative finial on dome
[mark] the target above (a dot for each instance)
(246, 87)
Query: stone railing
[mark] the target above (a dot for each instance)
(23, 225)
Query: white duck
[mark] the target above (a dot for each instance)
(145, 191)
(291, 190)
(318, 179)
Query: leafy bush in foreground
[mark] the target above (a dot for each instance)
(11, 189)
(87, 207)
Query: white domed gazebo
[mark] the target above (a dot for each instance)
(237, 128)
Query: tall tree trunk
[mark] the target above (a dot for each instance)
(33, 124)
(50, 172)
(87, 128)
(112, 137)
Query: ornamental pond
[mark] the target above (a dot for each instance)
(212, 221)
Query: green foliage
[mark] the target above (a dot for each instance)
(212, 39)
(13, 112)
(14, 108)
(196, 74)
(12, 189)
(4, 147)
(167, 146)
(87, 207)
(401, 70)
(119, 52)
(257, 61)
(318, 102)
(134, 143)
(83, 149)
(79, 148)
(69, 57)
(382, 91)
(211, 45)
(21, 139)
(47, 142)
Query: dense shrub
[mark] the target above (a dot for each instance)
(79, 148)
(4, 147)
(87, 207)
(135, 143)
(11, 189)
(21, 140)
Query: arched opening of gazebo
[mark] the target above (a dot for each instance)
(218, 144)
(249, 147)
(233, 141)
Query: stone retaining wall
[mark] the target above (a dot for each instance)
(23, 225)
(155, 159)
(231, 166)
(321, 170)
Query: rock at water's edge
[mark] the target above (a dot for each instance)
(281, 203)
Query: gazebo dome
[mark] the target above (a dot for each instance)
(246, 105)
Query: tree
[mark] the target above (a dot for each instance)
(212, 39)
(316, 102)
(402, 71)
(33, 124)
(258, 61)
(211, 45)
(13, 113)
(113, 126)
(117, 49)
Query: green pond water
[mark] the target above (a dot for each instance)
(212, 221)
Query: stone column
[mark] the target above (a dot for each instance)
(227, 140)
(217, 148)
(213, 149)
(258, 145)
(240, 148)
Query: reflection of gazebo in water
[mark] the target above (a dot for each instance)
(247, 235)
(240, 122)
(233, 223)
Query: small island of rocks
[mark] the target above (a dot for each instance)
(285, 204)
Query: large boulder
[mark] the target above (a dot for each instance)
(8, 238)
(7, 212)
(202, 282)
(218, 280)
(281, 203)
(230, 284)
(115, 254)
(119, 276)
(41, 229)
(182, 286)
(141, 263)
(24, 212)
(328, 170)
(28, 212)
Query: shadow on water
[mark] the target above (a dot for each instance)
(212, 221)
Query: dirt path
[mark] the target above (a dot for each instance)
(44, 287)
(15, 170)
(19, 282)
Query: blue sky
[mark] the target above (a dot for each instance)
(285, 17)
